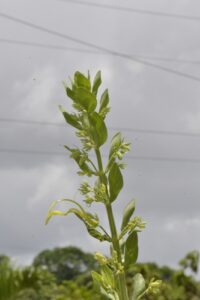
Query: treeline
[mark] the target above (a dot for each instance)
(64, 274)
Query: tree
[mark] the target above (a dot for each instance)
(23, 283)
(65, 263)
(191, 261)
(4, 259)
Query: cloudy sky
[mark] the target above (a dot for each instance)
(161, 109)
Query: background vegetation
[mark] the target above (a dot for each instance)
(64, 274)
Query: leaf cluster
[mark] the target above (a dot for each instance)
(88, 120)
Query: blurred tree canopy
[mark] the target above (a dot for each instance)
(191, 261)
(65, 263)
(64, 274)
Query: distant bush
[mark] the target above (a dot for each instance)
(37, 283)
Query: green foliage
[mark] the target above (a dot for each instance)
(191, 261)
(88, 118)
(96, 83)
(115, 181)
(98, 130)
(176, 284)
(4, 260)
(127, 214)
(37, 283)
(104, 102)
(139, 286)
(27, 294)
(9, 279)
(22, 283)
(83, 99)
(131, 250)
(70, 118)
(105, 282)
(65, 263)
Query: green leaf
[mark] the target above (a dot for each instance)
(79, 158)
(105, 282)
(85, 121)
(98, 129)
(70, 119)
(96, 83)
(128, 211)
(107, 275)
(98, 235)
(122, 246)
(96, 279)
(131, 250)
(104, 100)
(139, 286)
(115, 181)
(83, 97)
(81, 80)
(88, 219)
(53, 213)
(115, 143)
(91, 221)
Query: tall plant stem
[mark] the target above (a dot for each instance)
(121, 280)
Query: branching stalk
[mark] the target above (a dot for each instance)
(89, 123)
(115, 242)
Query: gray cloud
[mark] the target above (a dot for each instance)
(167, 193)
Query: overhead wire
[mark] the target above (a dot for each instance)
(100, 48)
(58, 153)
(7, 150)
(138, 130)
(47, 46)
(134, 10)
(72, 49)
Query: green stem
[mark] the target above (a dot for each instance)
(123, 294)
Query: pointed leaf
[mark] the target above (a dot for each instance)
(128, 211)
(122, 246)
(98, 130)
(115, 143)
(115, 181)
(97, 83)
(98, 235)
(139, 286)
(77, 156)
(70, 119)
(83, 97)
(131, 250)
(96, 279)
(53, 213)
(81, 80)
(107, 275)
(89, 219)
(104, 100)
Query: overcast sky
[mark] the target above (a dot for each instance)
(142, 97)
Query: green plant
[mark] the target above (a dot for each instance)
(9, 279)
(191, 261)
(89, 122)
(15, 282)
(65, 263)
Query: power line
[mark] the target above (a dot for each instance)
(31, 122)
(100, 48)
(57, 153)
(64, 48)
(47, 46)
(145, 131)
(34, 152)
(165, 159)
(159, 132)
(135, 10)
